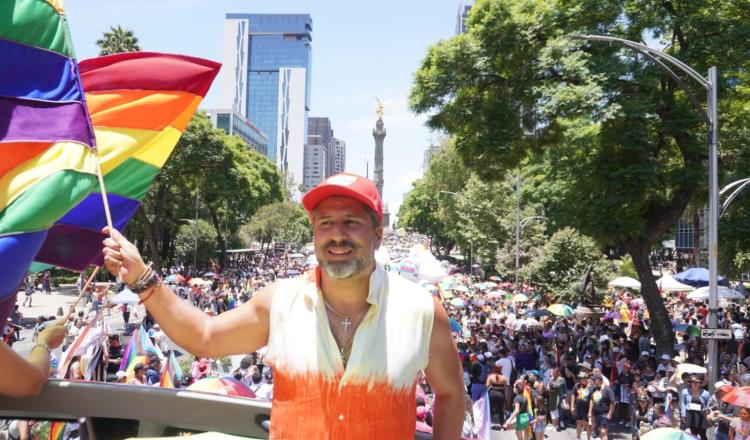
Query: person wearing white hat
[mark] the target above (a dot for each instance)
(666, 365)
(720, 413)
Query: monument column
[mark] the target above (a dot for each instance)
(379, 134)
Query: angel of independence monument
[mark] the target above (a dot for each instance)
(379, 134)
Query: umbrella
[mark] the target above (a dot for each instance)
(490, 284)
(724, 292)
(519, 297)
(690, 369)
(538, 313)
(667, 283)
(227, 386)
(561, 310)
(461, 288)
(126, 297)
(209, 274)
(528, 322)
(455, 326)
(625, 282)
(495, 278)
(696, 277)
(478, 302)
(297, 255)
(458, 302)
(495, 294)
(199, 282)
(667, 434)
(175, 278)
(738, 397)
(689, 329)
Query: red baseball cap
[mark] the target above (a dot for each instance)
(346, 185)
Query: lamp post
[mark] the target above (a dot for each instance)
(737, 186)
(709, 84)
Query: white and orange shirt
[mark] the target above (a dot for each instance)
(315, 397)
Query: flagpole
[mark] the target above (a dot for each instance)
(103, 190)
(80, 294)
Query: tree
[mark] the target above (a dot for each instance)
(185, 242)
(231, 180)
(562, 264)
(620, 144)
(117, 40)
(285, 222)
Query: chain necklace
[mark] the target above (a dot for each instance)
(345, 345)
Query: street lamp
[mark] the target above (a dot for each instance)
(740, 185)
(710, 84)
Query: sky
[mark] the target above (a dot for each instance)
(360, 49)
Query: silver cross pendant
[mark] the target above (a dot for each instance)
(346, 323)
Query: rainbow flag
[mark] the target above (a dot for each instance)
(47, 165)
(140, 103)
(57, 430)
(138, 345)
(168, 374)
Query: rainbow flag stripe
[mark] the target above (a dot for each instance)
(47, 165)
(57, 430)
(140, 103)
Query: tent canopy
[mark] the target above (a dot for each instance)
(669, 284)
(625, 282)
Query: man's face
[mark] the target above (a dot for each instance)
(345, 237)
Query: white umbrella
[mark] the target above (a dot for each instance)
(297, 255)
(667, 283)
(126, 297)
(724, 293)
(625, 282)
(528, 322)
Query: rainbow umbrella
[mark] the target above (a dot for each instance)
(667, 434)
(561, 310)
(227, 386)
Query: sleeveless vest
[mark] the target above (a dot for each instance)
(374, 397)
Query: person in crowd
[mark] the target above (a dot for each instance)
(602, 406)
(346, 213)
(540, 419)
(153, 371)
(721, 413)
(694, 408)
(580, 401)
(520, 416)
(139, 372)
(739, 427)
(499, 394)
(555, 389)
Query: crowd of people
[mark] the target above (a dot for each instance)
(539, 371)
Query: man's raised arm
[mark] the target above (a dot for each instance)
(242, 330)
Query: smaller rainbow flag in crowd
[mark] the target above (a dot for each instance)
(57, 430)
(90, 335)
(139, 345)
(170, 372)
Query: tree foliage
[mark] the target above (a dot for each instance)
(117, 40)
(185, 242)
(562, 264)
(230, 179)
(285, 222)
(620, 144)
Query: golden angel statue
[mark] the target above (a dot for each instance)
(379, 108)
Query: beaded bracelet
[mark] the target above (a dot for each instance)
(145, 281)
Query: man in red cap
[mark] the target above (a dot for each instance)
(345, 341)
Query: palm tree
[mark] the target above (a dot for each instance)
(117, 40)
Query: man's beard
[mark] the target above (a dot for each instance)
(341, 270)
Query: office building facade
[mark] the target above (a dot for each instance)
(317, 151)
(338, 156)
(463, 14)
(232, 122)
(266, 78)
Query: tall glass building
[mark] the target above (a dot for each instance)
(266, 78)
